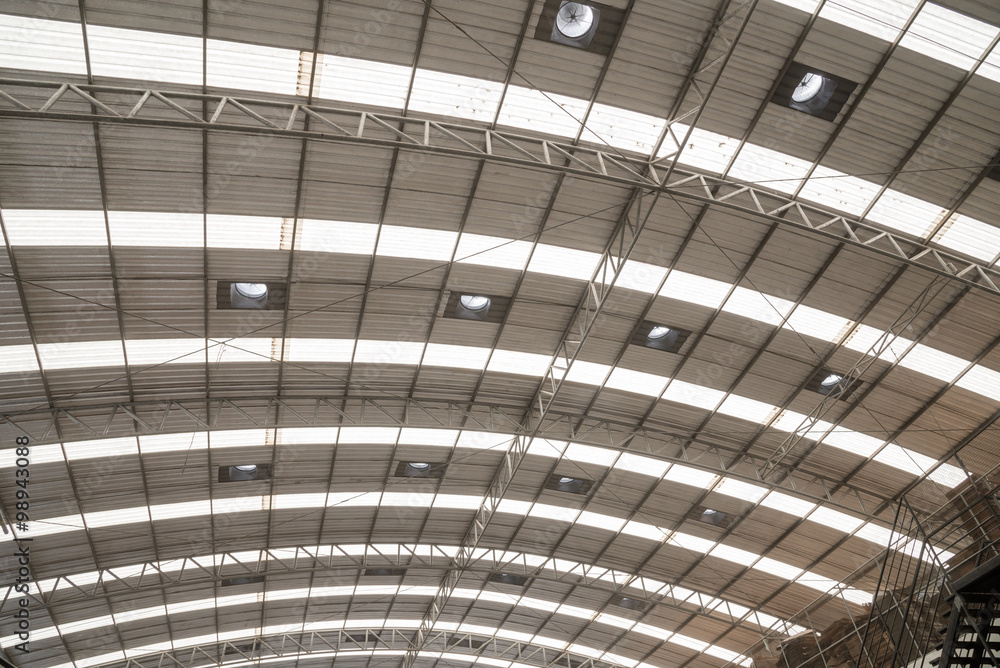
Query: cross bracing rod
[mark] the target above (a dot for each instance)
(128, 419)
(692, 102)
(331, 643)
(847, 383)
(616, 253)
(185, 571)
(21, 98)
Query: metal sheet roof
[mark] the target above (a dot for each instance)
(372, 163)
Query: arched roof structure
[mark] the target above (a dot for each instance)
(740, 263)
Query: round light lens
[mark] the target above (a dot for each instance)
(475, 302)
(420, 466)
(566, 481)
(658, 332)
(831, 380)
(807, 88)
(246, 468)
(574, 19)
(252, 290)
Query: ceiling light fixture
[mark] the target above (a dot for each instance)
(574, 19)
(565, 483)
(248, 295)
(808, 88)
(252, 290)
(658, 332)
(419, 470)
(475, 302)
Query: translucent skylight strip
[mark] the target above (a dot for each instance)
(330, 236)
(157, 229)
(567, 262)
(144, 55)
(971, 237)
(705, 150)
(548, 113)
(39, 227)
(307, 593)
(413, 242)
(37, 44)
(883, 19)
(779, 171)
(838, 191)
(948, 36)
(990, 69)
(251, 67)
(455, 96)
(160, 351)
(363, 82)
(31, 227)
(492, 251)
(938, 33)
(18, 359)
(623, 129)
(62, 525)
(108, 353)
(256, 232)
(81, 355)
(906, 213)
(982, 381)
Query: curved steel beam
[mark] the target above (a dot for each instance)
(88, 422)
(156, 108)
(216, 568)
(253, 648)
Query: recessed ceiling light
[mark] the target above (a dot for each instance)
(381, 572)
(244, 472)
(813, 91)
(658, 332)
(420, 470)
(659, 336)
(715, 518)
(831, 380)
(630, 603)
(466, 306)
(252, 290)
(475, 302)
(508, 578)
(248, 295)
(565, 483)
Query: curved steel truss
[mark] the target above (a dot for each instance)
(53, 100)
(113, 582)
(362, 642)
(181, 416)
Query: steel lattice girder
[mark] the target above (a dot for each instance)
(293, 645)
(133, 106)
(180, 416)
(206, 569)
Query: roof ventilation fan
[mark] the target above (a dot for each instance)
(575, 24)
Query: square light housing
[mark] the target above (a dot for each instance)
(589, 26)
(244, 472)
(813, 91)
(570, 484)
(660, 336)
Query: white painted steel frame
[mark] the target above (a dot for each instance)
(380, 130)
